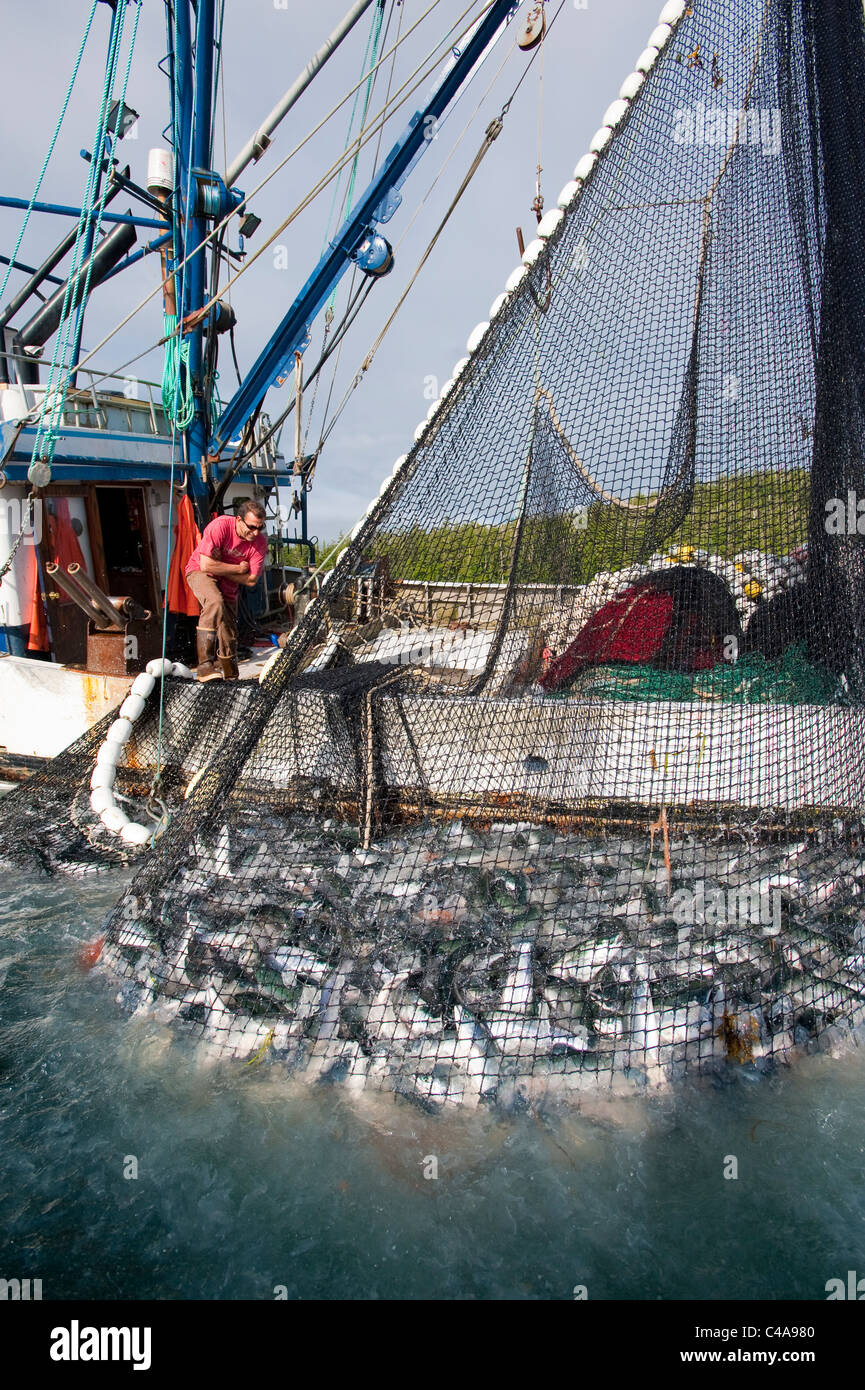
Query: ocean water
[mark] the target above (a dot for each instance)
(251, 1186)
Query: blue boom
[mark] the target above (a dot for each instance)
(357, 240)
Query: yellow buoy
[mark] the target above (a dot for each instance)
(753, 589)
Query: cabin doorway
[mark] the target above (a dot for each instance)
(126, 545)
(109, 525)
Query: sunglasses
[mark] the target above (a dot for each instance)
(254, 528)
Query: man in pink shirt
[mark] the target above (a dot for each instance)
(230, 552)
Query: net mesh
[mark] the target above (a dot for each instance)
(570, 792)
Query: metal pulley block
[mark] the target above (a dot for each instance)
(533, 29)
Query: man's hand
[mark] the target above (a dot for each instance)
(243, 567)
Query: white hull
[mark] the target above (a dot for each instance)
(44, 706)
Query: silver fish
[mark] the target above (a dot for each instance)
(518, 987)
(584, 964)
(293, 963)
(645, 1023)
(332, 1000)
(531, 1037)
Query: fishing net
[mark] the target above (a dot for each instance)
(558, 783)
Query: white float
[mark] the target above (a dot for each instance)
(550, 221)
(516, 278)
(104, 775)
(142, 685)
(114, 819)
(101, 798)
(646, 60)
(532, 251)
(601, 139)
(476, 336)
(268, 665)
(109, 754)
(615, 113)
(135, 834)
(132, 707)
(119, 731)
(461, 365)
(672, 11)
(569, 193)
(631, 85)
(498, 303)
(660, 37)
(585, 166)
(159, 667)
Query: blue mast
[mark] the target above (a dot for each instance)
(193, 85)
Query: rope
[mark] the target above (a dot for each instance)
(324, 348)
(422, 73)
(27, 520)
(369, 56)
(53, 142)
(538, 204)
(57, 387)
(369, 68)
(178, 402)
(493, 131)
(356, 379)
(367, 361)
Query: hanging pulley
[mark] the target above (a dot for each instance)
(533, 29)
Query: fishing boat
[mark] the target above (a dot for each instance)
(96, 464)
(421, 856)
(109, 505)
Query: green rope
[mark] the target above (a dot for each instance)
(177, 399)
(54, 399)
(54, 138)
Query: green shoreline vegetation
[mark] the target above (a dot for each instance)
(760, 511)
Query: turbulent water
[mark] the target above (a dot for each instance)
(249, 1183)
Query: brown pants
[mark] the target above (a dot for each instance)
(218, 613)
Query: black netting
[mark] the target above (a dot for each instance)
(571, 791)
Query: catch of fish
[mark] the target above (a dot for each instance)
(459, 965)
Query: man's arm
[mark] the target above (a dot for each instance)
(250, 580)
(219, 570)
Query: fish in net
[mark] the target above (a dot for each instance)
(571, 796)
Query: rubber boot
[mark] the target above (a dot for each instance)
(209, 669)
(229, 667)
